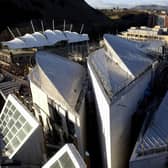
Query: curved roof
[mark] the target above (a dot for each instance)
(84, 37)
(48, 38)
(74, 37)
(29, 40)
(16, 43)
(60, 35)
(51, 37)
(41, 39)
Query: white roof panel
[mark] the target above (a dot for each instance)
(128, 55)
(71, 37)
(110, 74)
(41, 39)
(65, 75)
(29, 40)
(84, 37)
(16, 43)
(74, 37)
(51, 37)
(60, 35)
(48, 38)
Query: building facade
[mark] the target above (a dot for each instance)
(59, 100)
(144, 33)
(120, 73)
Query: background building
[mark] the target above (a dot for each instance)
(65, 43)
(162, 20)
(146, 34)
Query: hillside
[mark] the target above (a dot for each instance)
(75, 11)
(150, 7)
(18, 13)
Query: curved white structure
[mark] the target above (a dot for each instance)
(16, 43)
(29, 40)
(47, 38)
(41, 39)
(51, 37)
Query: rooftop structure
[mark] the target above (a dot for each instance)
(74, 37)
(9, 87)
(146, 34)
(120, 74)
(40, 38)
(151, 146)
(22, 57)
(19, 129)
(47, 38)
(16, 43)
(54, 37)
(131, 58)
(117, 68)
(66, 157)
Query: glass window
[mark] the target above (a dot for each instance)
(27, 128)
(16, 115)
(56, 165)
(21, 135)
(18, 125)
(9, 148)
(15, 142)
(14, 130)
(13, 108)
(22, 119)
(4, 123)
(5, 111)
(9, 103)
(10, 124)
(9, 135)
(5, 140)
(2, 117)
(66, 161)
(5, 131)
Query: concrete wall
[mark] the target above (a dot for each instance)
(40, 99)
(82, 137)
(115, 120)
(159, 160)
(103, 114)
(121, 115)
